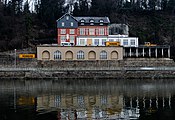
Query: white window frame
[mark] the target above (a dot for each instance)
(63, 31)
(72, 31)
(72, 38)
(111, 40)
(62, 38)
(125, 42)
(80, 55)
(132, 42)
(103, 41)
(91, 31)
(101, 31)
(82, 31)
(96, 41)
(103, 55)
(82, 41)
(57, 55)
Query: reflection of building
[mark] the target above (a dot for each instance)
(101, 106)
(94, 106)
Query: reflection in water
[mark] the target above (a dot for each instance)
(87, 99)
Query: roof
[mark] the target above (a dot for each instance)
(96, 19)
(65, 15)
(87, 19)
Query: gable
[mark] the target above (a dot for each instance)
(67, 21)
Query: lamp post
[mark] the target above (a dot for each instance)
(15, 58)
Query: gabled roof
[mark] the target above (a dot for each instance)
(65, 15)
(96, 19)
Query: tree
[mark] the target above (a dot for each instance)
(171, 6)
(76, 9)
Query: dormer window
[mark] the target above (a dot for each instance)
(82, 21)
(101, 22)
(91, 22)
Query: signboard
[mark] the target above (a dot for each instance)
(26, 55)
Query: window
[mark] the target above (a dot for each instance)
(91, 31)
(82, 31)
(82, 22)
(72, 31)
(101, 31)
(72, 38)
(125, 42)
(111, 40)
(82, 41)
(103, 41)
(80, 55)
(71, 24)
(63, 38)
(57, 55)
(81, 102)
(62, 24)
(96, 31)
(87, 31)
(96, 42)
(132, 42)
(91, 22)
(63, 31)
(103, 55)
(101, 22)
(103, 99)
(67, 17)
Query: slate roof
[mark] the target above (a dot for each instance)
(96, 19)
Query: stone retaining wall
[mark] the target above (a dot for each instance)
(129, 62)
(89, 75)
(78, 65)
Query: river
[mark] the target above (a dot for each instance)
(90, 99)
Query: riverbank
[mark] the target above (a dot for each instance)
(89, 73)
(129, 68)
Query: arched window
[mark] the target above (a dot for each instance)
(80, 55)
(91, 22)
(114, 55)
(82, 21)
(57, 55)
(91, 55)
(101, 22)
(69, 55)
(103, 55)
(45, 55)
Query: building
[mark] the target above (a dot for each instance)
(55, 52)
(89, 31)
(85, 38)
(69, 28)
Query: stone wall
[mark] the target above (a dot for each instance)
(78, 74)
(130, 62)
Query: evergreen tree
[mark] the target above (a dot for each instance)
(171, 6)
(76, 9)
(164, 4)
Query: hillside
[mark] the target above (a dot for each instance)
(22, 28)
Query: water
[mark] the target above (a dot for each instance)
(87, 99)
